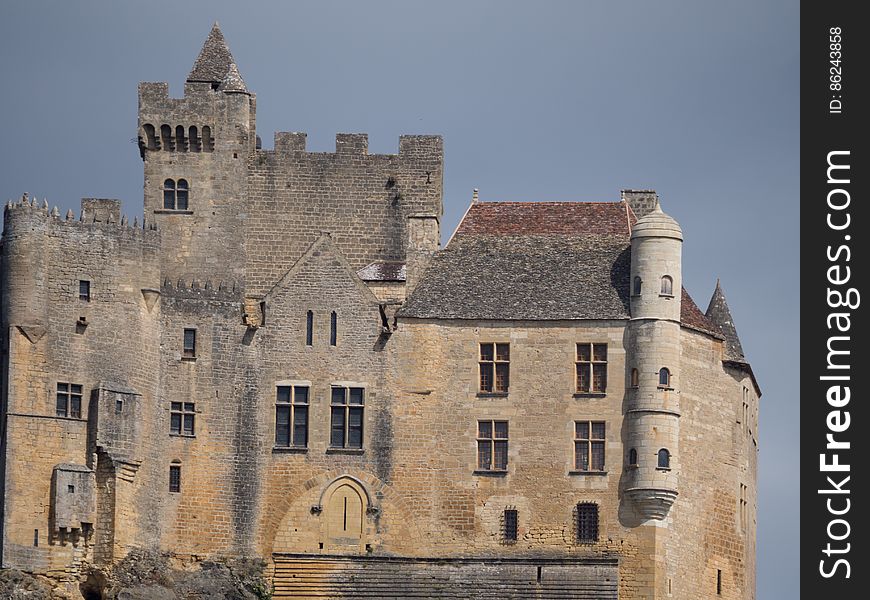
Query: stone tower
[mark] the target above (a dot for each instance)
(196, 151)
(654, 391)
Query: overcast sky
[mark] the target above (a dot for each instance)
(536, 101)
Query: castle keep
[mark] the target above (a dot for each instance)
(279, 360)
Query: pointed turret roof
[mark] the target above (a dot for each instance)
(214, 61)
(233, 82)
(720, 314)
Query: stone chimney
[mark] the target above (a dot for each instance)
(424, 239)
(642, 202)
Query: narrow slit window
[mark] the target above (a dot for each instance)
(333, 329)
(175, 478)
(638, 284)
(632, 457)
(719, 582)
(309, 328)
(35, 538)
(635, 378)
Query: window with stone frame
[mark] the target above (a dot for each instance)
(492, 445)
(494, 368)
(589, 445)
(181, 418)
(346, 428)
(587, 522)
(291, 416)
(510, 523)
(84, 290)
(175, 194)
(591, 365)
(175, 478)
(189, 344)
(69, 400)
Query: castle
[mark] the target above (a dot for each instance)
(279, 360)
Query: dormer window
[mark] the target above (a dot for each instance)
(175, 194)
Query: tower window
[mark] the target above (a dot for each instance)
(719, 582)
(207, 141)
(347, 417)
(510, 525)
(664, 461)
(194, 141)
(494, 368)
(591, 367)
(85, 290)
(69, 400)
(333, 329)
(180, 139)
(166, 138)
(189, 347)
(635, 378)
(638, 283)
(151, 137)
(587, 522)
(589, 445)
(175, 478)
(664, 377)
(632, 458)
(667, 286)
(309, 328)
(176, 194)
(291, 416)
(492, 445)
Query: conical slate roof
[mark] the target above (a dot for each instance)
(214, 61)
(233, 82)
(720, 314)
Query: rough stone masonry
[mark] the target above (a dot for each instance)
(279, 363)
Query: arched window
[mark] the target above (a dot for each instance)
(169, 194)
(333, 329)
(667, 286)
(180, 139)
(166, 137)
(151, 137)
(207, 141)
(195, 142)
(632, 458)
(635, 378)
(638, 283)
(181, 195)
(664, 459)
(664, 378)
(309, 328)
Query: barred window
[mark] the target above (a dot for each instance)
(69, 400)
(492, 445)
(291, 416)
(175, 478)
(347, 417)
(494, 367)
(589, 445)
(510, 525)
(181, 418)
(587, 522)
(591, 368)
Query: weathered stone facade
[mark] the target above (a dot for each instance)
(280, 362)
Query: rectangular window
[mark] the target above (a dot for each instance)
(175, 478)
(189, 343)
(587, 522)
(309, 328)
(743, 507)
(291, 416)
(333, 329)
(510, 525)
(591, 366)
(69, 400)
(346, 429)
(492, 445)
(84, 290)
(494, 368)
(181, 418)
(719, 581)
(589, 445)
(35, 538)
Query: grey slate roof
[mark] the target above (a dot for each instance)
(383, 270)
(214, 60)
(526, 277)
(719, 313)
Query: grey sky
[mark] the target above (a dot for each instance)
(536, 101)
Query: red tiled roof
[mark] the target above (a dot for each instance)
(545, 218)
(691, 316)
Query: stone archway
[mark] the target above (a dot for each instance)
(345, 504)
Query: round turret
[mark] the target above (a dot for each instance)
(652, 413)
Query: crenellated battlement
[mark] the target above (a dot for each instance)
(94, 215)
(413, 147)
(195, 289)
